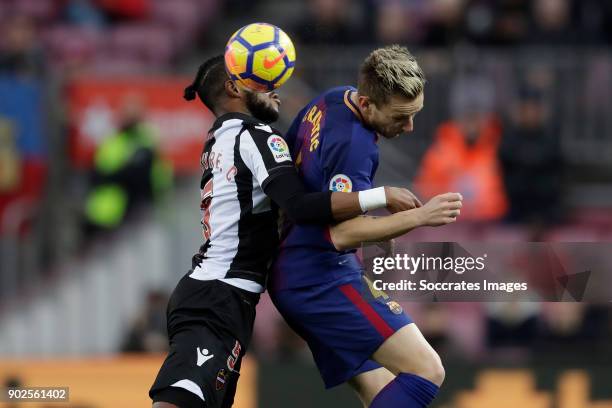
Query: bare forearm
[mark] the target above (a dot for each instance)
(440, 210)
(351, 233)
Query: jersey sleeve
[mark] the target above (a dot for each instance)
(266, 154)
(347, 164)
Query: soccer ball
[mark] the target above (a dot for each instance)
(260, 57)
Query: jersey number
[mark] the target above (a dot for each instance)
(205, 208)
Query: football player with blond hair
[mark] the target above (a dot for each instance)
(317, 282)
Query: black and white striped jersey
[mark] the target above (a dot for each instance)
(241, 155)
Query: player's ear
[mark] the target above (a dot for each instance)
(231, 89)
(364, 102)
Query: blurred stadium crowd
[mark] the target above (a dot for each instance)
(517, 118)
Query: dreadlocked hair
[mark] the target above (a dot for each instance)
(209, 82)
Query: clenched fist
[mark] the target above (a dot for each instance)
(400, 199)
(441, 210)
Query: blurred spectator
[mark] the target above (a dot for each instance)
(551, 23)
(434, 322)
(238, 8)
(23, 160)
(446, 23)
(594, 21)
(530, 154)
(20, 53)
(463, 156)
(392, 22)
(126, 9)
(511, 25)
(597, 98)
(574, 327)
(11, 170)
(478, 22)
(332, 22)
(84, 13)
(148, 334)
(10, 160)
(512, 324)
(399, 21)
(128, 171)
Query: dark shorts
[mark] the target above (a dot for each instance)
(343, 322)
(209, 326)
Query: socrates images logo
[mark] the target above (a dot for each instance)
(341, 183)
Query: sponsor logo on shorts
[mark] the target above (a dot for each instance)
(341, 183)
(233, 359)
(395, 307)
(203, 356)
(279, 149)
(221, 378)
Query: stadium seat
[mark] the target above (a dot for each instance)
(573, 233)
(183, 16)
(39, 10)
(506, 233)
(120, 65)
(66, 43)
(149, 42)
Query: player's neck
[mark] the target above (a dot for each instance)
(232, 108)
(354, 97)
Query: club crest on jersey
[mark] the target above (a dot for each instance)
(341, 183)
(279, 148)
(395, 307)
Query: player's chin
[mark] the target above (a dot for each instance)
(270, 115)
(273, 112)
(391, 135)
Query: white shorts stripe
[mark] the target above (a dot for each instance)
(191, 387)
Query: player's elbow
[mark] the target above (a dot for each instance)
(300, 217)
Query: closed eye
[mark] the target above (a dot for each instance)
(402, 117)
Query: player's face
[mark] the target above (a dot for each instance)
(396, 116)
(263, 106)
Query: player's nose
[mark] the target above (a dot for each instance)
(274, 95)
(408, 126)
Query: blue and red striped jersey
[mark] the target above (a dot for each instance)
(333, 150)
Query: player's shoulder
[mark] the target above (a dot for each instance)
(262, 137)
(339, 107)
(337, 93)
(342, 118)
(265, 137)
